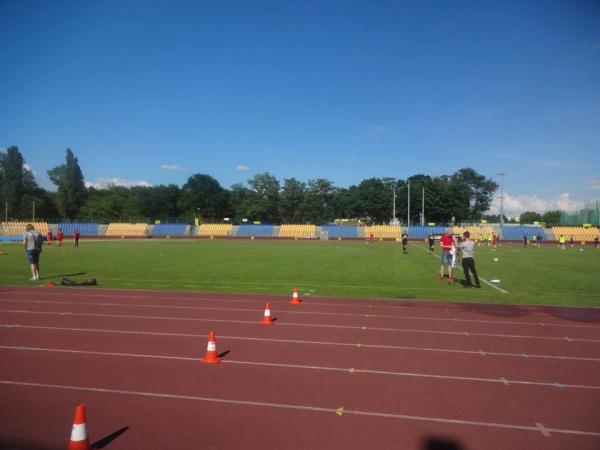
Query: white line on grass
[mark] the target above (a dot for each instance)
(329, 410)
(503, 381)
(307, 342)
(482, 279)
(404, 330)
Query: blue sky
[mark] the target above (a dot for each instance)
(153, 92)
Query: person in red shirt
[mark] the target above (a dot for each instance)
(49, 238)
(494, 241)
(59, 238)
(446, 242)
(76, 238)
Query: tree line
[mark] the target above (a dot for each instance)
(463, 196)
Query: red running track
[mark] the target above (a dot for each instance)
(479, 376)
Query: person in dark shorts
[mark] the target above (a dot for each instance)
(431, 241)
(76, 238)
(404, 243)
(468, 261)
(525, 240)
(33, 242)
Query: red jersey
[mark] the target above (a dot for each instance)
(494, 239)
(49, 235)
(59, 236)
(446, 243)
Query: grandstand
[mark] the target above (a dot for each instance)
(476, 231)
(383, 231)
(341, 231)
(298, 231)
(255, 230)
(18, 228)
(85, 228)
(126, 229)
(578, 233)
(168, 229)
(516, 233)
(214, 229)
(418, 232)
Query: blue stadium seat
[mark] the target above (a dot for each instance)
(419, 232)
(343, 231)
(516, 233)
(85, 228)
(255, 230)
(168, 229)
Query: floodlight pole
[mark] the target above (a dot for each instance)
(394, 207)
(502, 175)
(408, 214)
(423, 207)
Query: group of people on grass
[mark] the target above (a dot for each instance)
(450, 251)
(33, 241)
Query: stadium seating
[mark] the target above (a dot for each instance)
(214, 229)
(516, 233)
(343, 231)
(383, 231)
(477, 232)
(298, 231)
(85, 228)
(18, 228)
(578, 233)
(418, 232)
(168, 229)
(126, 229)
(255, 230)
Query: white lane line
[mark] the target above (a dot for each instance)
(503, 381)
(404, 330)
(306, 342)
(482, 279)
(275, 298)
(284, 324)
(543, 429)
(328, 410)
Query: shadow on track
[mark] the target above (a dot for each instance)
(108, 439)
(436, 443)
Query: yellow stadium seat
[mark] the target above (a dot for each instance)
(298, 231)
(126, 229)
(214, 229)
(383, 231)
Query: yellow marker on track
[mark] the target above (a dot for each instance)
(340, 411)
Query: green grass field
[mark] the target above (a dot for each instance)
(528, 275)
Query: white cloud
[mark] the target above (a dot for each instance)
(28, 168)
(377, 130)
(104, 183)
(594, 183)
(3, 149)
(515, 205)
(242, 168)
(171, 167)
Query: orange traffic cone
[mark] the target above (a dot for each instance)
(295, 299)
(267, 318)
(79, 438)
(211, 350)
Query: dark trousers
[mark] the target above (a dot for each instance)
(468, 265)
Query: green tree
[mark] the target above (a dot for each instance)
(480, 193)
(318, 201)
(530, 217)
(291, 200)
(203, 195)
(375, 200)
(346, 203)
(266, 201)
(551, 217)
(12, 172)
(71, 188)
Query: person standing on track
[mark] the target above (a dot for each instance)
(468, 261)
(76, 238)
(33, 241)
(446, 242)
